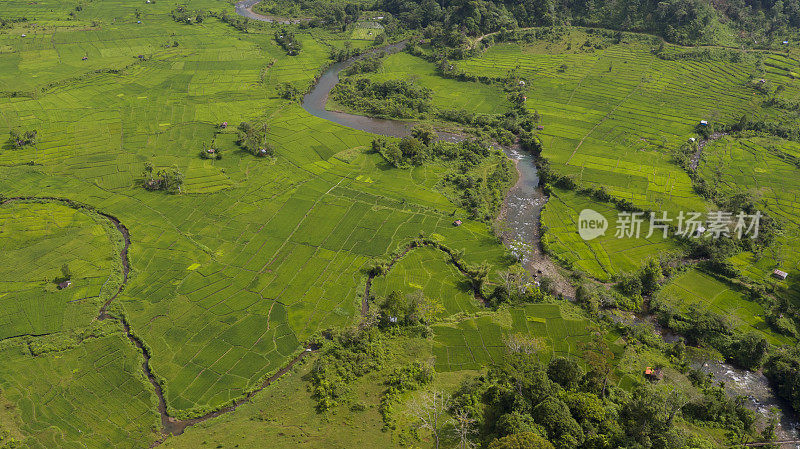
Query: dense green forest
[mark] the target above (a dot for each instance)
(680, 21)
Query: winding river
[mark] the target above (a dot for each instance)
(521, 213)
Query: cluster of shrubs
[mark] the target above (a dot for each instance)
(183, 15)
(169, 180)
(369, 64)
(287, 40)
(22, 139)
(392, 98)
(344, 53)
(252, 138)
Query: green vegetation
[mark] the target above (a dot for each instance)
(45, 243)
(694, 290)
(379, 259)
(430, 272)
(606, 256)
(397, 99)
(474, 342)
(92, 395)
(763, 168)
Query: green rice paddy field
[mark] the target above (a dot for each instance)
(431, 272)
(230, 277)
(696, 288)
(612, 116)
(473, 343)
(765, 167)
(607, 255)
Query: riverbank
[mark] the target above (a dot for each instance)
(245, 9)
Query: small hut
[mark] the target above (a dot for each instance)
(779, 274)
(457, 223)
(211, 151)
(653, 374)
(692, 139)
(704, 122)
(223, 125)
(540, 127)
(521, 82)
(84, 58)
(64, 284)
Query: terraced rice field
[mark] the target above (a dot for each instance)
(767, 169)
(430, 271)
(475, 342)
(605, 256)
(697, 288)
(612, 116)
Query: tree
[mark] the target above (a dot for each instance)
(421, 308)
(479, 275)
(650, 412)
(253, 139)
(19, 140)
(429, 410)
(554, 415)
(170, 180)
(424, 132)
(598, 356)
(515, 280)
(528, 440)
(783, 370)
(287, 91)
(66, 272)
(463, 429)
(413, 150)
(749, 350)
(652, 275)
(565, 372)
